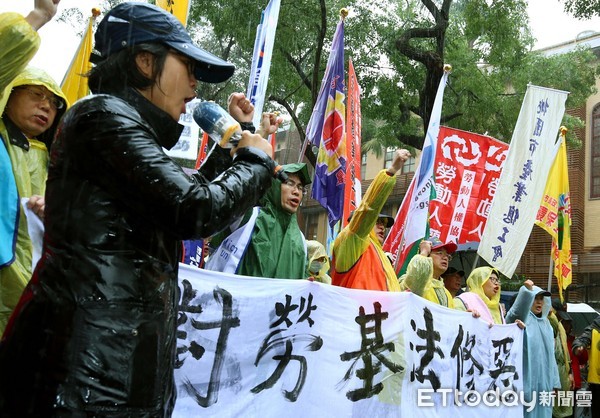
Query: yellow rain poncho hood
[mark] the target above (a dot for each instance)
(29, 169)
(316, 250)
(33, 76)
(475, 283)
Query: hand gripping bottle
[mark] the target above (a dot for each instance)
(224, 129)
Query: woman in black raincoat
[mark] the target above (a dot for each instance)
(95, 331)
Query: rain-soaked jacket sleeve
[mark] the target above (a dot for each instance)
(585, 339)
(353, 240)
(419, 273)
(419, 280)
(19, 43)
(134, 168)
(522, 306)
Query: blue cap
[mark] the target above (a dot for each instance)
(129, 24)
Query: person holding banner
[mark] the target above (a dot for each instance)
(267, 242)
(94, 332)
(483, 295)
(358, 260)
(31, 104)
(532, 306)
(423, 273)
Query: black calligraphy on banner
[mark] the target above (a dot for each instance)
(283, 345)
(466, 364)
(503, 373)
(229, 318)
(372, 353)
(429, 349)
(511, 216)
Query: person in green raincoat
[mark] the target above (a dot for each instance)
(31, 105)
(268, 241)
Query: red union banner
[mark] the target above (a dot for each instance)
(467, 167)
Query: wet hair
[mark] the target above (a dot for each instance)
(119, 70)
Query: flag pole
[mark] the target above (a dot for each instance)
(550, 271)
(343, 15)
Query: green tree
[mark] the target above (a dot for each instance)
(582, 9)
(399, 51)
(398, 48)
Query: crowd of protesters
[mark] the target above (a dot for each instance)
(92, 324)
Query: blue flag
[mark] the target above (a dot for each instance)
(326, 130)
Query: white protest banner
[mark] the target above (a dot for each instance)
(531, 153)
(257, 347)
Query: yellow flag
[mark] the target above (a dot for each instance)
(554, 216)
(178, 8)
(74, 84)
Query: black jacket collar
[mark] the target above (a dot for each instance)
(167, 129)
(15, 136)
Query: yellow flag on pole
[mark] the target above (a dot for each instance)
(554, 216)
(75, 84)
(178, 8)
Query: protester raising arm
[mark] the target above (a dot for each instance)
(31, 104)
(19, 39)
(96, 328)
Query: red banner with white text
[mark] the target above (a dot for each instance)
(467, 168)
(352, 192)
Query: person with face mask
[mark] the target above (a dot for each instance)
(318, 262)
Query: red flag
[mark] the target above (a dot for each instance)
(202, 151)
(273, 142)
(352, 192)
(467, 167)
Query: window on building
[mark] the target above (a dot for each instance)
(595, 154)
(363, 167)
(409, 165)
(312, 226)
(389, 157)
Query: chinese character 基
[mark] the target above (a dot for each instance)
(371, 353)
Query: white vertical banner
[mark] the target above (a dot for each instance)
(261, 60)
(531, 153)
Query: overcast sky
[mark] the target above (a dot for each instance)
(550, 26)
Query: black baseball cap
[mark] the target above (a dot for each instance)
(133, 23)
(452, 270)
(389, 220)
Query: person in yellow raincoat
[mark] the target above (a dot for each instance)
(317, 262)
(483, 295)
(358, 259)
(423, 273)
(31, 104)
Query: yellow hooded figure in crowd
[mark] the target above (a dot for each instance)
(318, 262)
(31, 105)
(483, 295)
